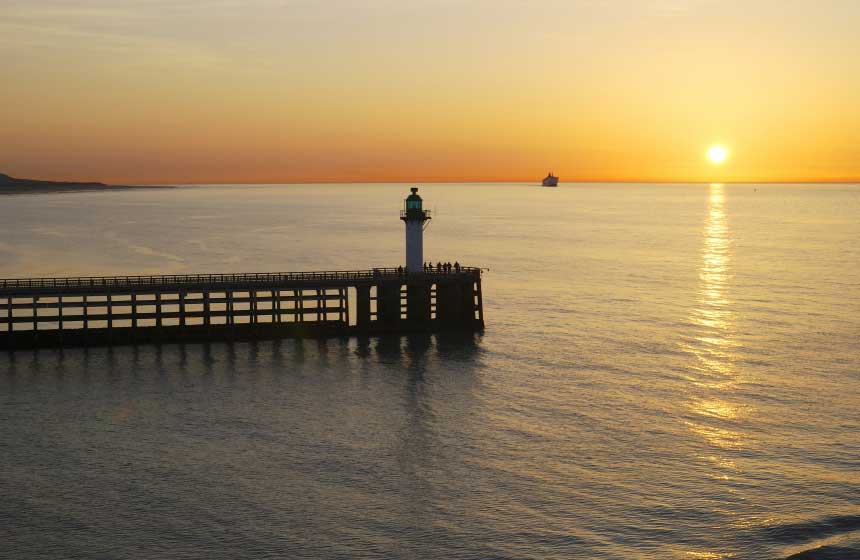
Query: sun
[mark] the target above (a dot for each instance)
(717, 154)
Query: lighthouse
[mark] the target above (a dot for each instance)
(414, 216)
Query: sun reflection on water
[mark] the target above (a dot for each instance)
(711, 342)
(706, 555)
(712, 414)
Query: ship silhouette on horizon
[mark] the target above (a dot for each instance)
(550, 180)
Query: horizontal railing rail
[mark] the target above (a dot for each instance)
(215, 279)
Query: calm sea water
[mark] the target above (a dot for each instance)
(668, 371)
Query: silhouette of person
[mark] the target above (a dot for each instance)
(438, 266)
(457, 266)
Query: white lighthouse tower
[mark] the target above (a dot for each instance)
(414, 216)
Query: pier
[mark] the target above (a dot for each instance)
(85, 311)
(54, 312)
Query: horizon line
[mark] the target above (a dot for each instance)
(453, 180)
(512, 181)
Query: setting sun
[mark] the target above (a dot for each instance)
(717, 154)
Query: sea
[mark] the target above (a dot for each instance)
(668, 371)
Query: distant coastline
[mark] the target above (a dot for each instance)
(13, 185)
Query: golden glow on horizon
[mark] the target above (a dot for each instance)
(717, 154)
(152, 92)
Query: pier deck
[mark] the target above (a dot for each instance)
(38, 312)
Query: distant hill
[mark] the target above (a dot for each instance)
(6, 180)
(14, 185)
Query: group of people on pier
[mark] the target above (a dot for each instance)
(438, 268)
(442, 267)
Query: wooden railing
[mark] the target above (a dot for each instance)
(260, 278)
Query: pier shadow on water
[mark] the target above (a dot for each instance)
(409, 351)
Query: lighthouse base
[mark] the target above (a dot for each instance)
(446, 301)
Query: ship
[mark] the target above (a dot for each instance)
(550, 180)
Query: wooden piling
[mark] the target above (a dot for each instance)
(158, 320)
(182, 308)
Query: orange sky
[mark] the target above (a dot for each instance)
(156, 91)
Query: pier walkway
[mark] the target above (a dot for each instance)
(130, 309)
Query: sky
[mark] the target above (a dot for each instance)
(269, 91)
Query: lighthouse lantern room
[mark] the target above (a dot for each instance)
(414, 215)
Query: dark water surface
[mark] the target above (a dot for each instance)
(668, 371)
